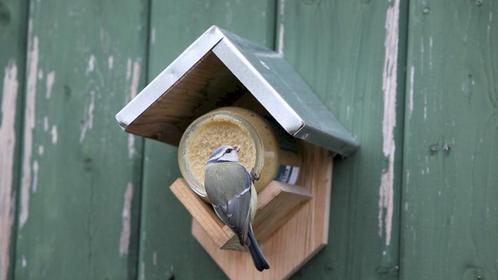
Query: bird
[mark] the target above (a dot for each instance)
(230, 190)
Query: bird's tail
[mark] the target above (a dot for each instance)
(256, 254)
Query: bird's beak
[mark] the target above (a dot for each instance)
(236, 148)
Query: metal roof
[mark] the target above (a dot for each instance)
(213, 72)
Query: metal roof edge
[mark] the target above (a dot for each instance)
(341, 139)
(259, 87)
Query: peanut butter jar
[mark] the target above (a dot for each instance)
(260, 151)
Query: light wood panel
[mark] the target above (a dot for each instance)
(277, 203)
(196, 93)
(298, 240)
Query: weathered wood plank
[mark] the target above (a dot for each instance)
(351, 53)
(12, 63)
(167, 247)
(450, 183)
(80, 172)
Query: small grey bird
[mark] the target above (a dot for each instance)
(230, 190)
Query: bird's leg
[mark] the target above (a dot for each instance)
(254, 175)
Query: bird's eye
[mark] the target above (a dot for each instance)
(229, 151)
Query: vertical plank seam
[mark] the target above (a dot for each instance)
(272, 29)
(405, 88)
(278, 30)
(148, 18)
(17, 177)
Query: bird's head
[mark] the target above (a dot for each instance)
(224, 153)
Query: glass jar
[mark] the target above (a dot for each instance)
(259, 147)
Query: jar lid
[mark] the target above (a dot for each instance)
(219, 127)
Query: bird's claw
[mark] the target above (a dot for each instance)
(254, 175)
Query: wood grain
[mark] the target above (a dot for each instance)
(201, 211)
(296, 241)
(277, 202)
(450, 179)
(196, 93)
(80, 172)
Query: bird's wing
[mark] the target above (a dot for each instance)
(228, 186)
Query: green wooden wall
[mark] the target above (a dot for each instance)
(414, 80)
(450, 179)
(13, 26)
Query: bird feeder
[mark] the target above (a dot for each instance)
(221, 69)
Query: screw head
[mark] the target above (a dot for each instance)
(434, 148)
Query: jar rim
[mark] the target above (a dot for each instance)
(190, 178)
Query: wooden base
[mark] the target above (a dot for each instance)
(276, 205)
(287, 247)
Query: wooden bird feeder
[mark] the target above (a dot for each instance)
(222, 69)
